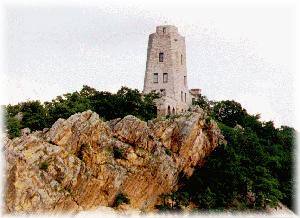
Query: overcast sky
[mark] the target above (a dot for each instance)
(233, 52)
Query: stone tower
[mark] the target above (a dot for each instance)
(166, 70)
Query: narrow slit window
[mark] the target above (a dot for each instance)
(155, 77)
(181, 95)
(184, 80)
(165, 77)
(164, 29)
(184, 97)
(181, 59)
(161, 57)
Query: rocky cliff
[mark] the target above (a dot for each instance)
(83, 162)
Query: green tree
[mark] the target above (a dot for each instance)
(204, 103)
(255, 161)
(34, 115)
(13, 126)
(229, 113)
(37, 115)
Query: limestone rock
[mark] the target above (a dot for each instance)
(83, 163)
(25, 131)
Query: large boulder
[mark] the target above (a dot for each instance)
(85, 163)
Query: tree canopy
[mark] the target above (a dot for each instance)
(37, 115)
(252, 171)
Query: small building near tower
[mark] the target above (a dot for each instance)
(166, 71)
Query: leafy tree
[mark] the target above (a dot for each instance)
(13, 126)
(253, 170)
(229, 113)
(87, 91)
(204, 103)
(34, 115)
(12, 110)
(37, 115)
(232, 171)
(148, 109)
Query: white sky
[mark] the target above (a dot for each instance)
(241, 52)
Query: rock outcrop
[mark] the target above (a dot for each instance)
(84, 163)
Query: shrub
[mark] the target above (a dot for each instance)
(118, 153)
(121, 199)
(44, 166)
(168, 152)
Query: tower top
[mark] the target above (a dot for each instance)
(166, 72)
(166, 29)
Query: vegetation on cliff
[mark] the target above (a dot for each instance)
(37, 115)
(252, 171)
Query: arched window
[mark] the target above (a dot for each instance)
(173, 111)
(169, 110)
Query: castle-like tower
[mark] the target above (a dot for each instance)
(166, 71)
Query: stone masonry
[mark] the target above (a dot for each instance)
(166, 71)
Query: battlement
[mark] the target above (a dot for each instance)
(195, 91)
(166, 29)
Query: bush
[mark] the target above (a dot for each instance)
(175, 201)
(121, 199)
(168, 152)
(44, 166)
(118, 153)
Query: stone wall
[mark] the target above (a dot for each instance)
(168, 41)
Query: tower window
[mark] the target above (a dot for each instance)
(164, 29)
(184, 80)
(155, 77)
(184, 97)
(161, 57)
(165, 77)
(181, 95)
(181, 59)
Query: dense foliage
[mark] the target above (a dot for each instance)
(36, 115)
(253, 170)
